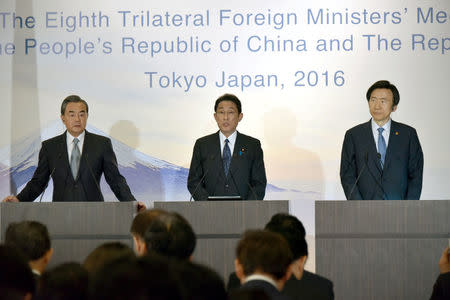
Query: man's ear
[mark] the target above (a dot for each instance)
(239, 270)
(288, 274)
(303, 261)
(139, 246)
(48, 255)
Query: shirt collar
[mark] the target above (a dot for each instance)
(387, 126)
(261, 277)
(231, 138)
(80, 138)
(36, 272)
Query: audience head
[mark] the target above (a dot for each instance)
(293, 231)
(143, 278)
(203, 283)
(170, 235)
(139, 226)
(68, 281)
(265, 253)
(16, 278)
(32, 238)
(106, 253)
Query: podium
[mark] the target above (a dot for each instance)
(220, 224)
(381, 249)
(75, 228)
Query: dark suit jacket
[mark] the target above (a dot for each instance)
(268, 288)
(246, 177)
(97, 157)
(309, 287)
(441, 288)
(401, 177)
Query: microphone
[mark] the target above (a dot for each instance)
(212, 157)
(93, 177)
(198, 185)
(366, 159)
(51, 174)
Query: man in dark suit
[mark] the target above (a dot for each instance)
(262, 262)
(31, 238)
(441, 288)
(302, 285)
(382, 159)
(76, 160)
(227, 163)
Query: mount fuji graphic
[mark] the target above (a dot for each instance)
(150, 179)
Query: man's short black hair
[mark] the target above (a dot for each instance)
(143, 219)
(170, 235)
(229, 97)
(265, 251)
(147, 277)
(30, 237)
(72, 99)
(292, 230)
(68, 281)
(106, 253)
(384, 84)
(204, 283)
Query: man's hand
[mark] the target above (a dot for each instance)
(141, 206)
(10, 199)
(444, 262)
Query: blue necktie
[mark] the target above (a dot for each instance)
(381, 146)
(226, 156)
(75, 158)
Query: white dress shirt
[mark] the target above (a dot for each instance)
(231, 141)
(385, 134)
(70, 144)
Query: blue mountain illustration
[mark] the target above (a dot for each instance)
(150, 179)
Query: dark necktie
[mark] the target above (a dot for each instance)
(226, 156)
(75, 158)
(381, 146)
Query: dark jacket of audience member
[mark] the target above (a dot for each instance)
(16, 279)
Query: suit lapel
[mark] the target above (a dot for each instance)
(236, 155)
(83, 158)
(218, 153)
(65, 154)
(392, 144)
(372, 148)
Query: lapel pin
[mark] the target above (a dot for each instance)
(396, 133)
(241, 151)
